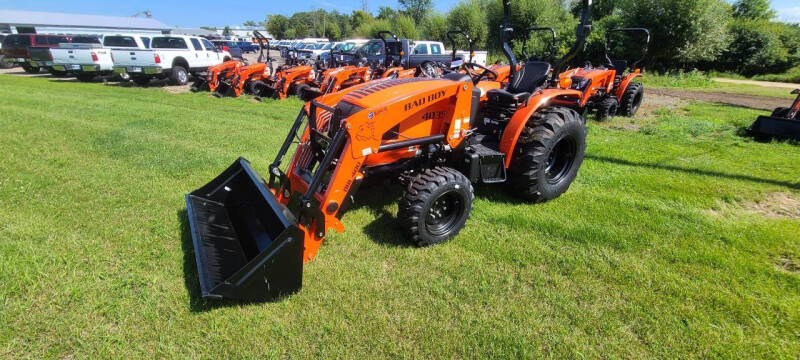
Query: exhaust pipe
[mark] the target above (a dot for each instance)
(247, 244)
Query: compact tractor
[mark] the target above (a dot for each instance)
(609, 90)
(215, 75)
(253, 235)
(332, 79)
(283, 82)
(784, 123)
(249, 77)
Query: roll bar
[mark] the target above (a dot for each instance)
(628, 30)
(539, 28)
(505, 35)
(469, 40)
(582, 32)
(380, 35)
(261, 40)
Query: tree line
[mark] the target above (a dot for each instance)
(742, 37)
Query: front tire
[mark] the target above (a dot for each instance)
(435, 206)
(178, 76)
(31, 69)
(607, 109)
(631, 99)
(548, 154)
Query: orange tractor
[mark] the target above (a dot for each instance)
(784, 123)
(609, 89)
(332, 80)
(244, 78)
(253, 235)
(215, 75)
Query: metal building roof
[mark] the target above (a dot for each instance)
(18, 17)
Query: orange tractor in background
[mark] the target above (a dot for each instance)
(215, 75)
(252, 235)
(245, 77)
(332, 79)
(610, 90)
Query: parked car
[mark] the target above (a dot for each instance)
(16, 48)
(344, 51)
(173, 57)
(89, 60)
(229, 46)
(406, 53)
(42, 57)
(248, 46)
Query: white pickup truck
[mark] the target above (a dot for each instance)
(87, 61)
(170, 56)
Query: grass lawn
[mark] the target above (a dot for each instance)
(698, 82)
(679, 239)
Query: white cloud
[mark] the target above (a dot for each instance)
(791, 15)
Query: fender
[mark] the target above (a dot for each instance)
(538, 100)
(623, 85)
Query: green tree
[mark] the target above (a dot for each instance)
(685, 32)
(754, 10)
(435, 28)
(416, 9)
(278, 26)
(360, 18)
(249, 23)
(468, 16)
(227, 31)
(527, 13)
(385, 13)
(756, 48)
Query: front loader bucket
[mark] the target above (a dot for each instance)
(775, 127)
(247, 244)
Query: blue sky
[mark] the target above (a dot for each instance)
(209, 12)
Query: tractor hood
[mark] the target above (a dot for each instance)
(381, 92)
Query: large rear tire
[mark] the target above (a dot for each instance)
(548, 154)
(5, 65)
(178, 76)
(631, 99)
(435, 206)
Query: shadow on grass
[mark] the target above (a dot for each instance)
(694, 171)
(190, 280)
(375, 196)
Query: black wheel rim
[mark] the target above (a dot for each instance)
(443, 214)
(560, 159)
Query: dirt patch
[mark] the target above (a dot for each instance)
(772, 205)
(789, 263)
(783, 205)
(741, 100)
(178, 89)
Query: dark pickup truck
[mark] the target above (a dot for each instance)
(401, 52)
(41, 57)
(16, 48)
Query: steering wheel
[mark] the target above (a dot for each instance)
(487, 73)
(430, 69)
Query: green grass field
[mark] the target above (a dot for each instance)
(696, 81)
(679, 239)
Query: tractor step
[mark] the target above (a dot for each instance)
(246, 244)
(485, 164)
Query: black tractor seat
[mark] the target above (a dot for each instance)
(527, 80)
(619, 65)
